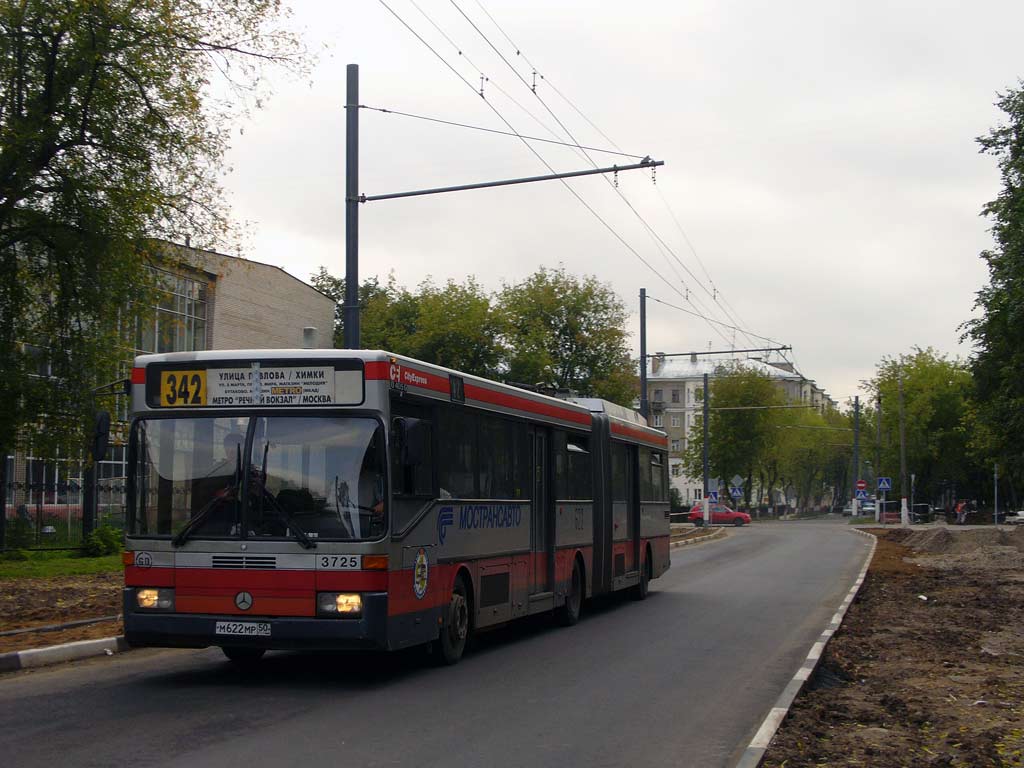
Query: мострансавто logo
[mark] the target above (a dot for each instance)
(445, 517)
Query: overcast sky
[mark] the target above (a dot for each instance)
(820, 157)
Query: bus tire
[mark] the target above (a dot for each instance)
(455, 628)
(568, 613)
(643, 587)
(243, 657)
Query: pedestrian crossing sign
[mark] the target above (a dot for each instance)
(885, 483)
(862, 495)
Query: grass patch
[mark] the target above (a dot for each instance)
(36, 564)
(863, 520)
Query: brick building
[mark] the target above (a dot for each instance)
(207, 300)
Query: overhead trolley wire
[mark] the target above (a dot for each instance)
(501, 117)
(716, 322)
(725, 306)
(619, 192)
(494, 130)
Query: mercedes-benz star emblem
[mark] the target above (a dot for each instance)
(244, 601)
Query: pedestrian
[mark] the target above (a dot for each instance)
(961, 512)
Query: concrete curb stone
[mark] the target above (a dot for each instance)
(755, 751)
(719, 534)
(55, 654)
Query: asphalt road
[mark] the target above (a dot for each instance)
(682, 679)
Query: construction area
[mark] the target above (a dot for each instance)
(928, 666)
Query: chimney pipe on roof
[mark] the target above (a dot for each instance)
(309, 337)
(657, 362)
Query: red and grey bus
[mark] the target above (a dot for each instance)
(327, 499)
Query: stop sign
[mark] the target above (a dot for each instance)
(862, 485)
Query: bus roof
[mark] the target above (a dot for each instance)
(406, 373)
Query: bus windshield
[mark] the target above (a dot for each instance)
(258, 477)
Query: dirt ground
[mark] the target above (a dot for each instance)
(928, 667)
(35, 602)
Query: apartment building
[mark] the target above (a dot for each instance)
(675, 392)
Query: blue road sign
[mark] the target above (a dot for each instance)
(736, 493)
(885, 483)
(862, 495)
(713, 496)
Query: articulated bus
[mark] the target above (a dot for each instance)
(328, 499)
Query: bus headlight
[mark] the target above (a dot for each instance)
(151, 598)
(341, 604)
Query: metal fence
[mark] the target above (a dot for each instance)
(45, 511)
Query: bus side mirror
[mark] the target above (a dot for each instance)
(101, 436)
(412, 435)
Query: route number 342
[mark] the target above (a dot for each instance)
(183, 388)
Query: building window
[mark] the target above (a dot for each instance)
(178, 323)
(657, 420)
(675, 446)
(677, 471)
(675, 395)
(658, 395)
(675, 420)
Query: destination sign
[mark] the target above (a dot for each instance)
(312, 385)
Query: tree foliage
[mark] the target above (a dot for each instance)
(552, 328)
(567, 331)
(936, 395)
(108, 138)
(997, 417)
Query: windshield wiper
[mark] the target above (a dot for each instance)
(279, 513)
(208, 507)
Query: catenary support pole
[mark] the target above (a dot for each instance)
(856, 453)
(351, 308)
(644, 405)
(704, 426)
(878, 444)
(995, 492)
(904, 512)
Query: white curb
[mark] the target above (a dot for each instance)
(755, 751)
(55, 654)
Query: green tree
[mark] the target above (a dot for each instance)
(569, 332)
(997, 417)
(106, 141)
(453, 325)
(937, 392)
(740, 438)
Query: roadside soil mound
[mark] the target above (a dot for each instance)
(927, 668)
(973, 549)
(35, 602)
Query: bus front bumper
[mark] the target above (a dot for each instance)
(192, 630)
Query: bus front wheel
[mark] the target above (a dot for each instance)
(455, 629)
(568, 613)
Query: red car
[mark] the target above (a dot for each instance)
(720, 515)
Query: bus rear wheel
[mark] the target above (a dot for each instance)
(641, 590)
(568, 613)
(244, 657)
(450, 646)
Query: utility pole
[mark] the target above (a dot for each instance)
(643, 353)
(351, 308)
(856, 452)
(995, 491)
(904, 512)
(353, 199)
(707, 472)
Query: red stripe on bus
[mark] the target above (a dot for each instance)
(507, 400)
(351, 581)
(138, 375)
(412, 377)
(218, 578)
(639, 434)
(148, 577)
